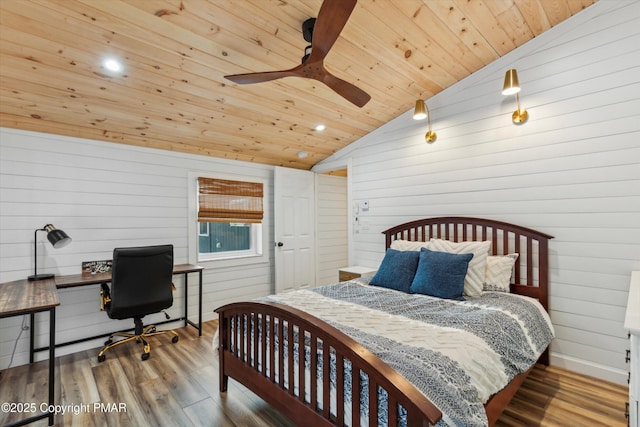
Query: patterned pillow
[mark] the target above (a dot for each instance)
(499, 272)
(408, 245)
(396, 270)
(441, 274)
(475, 273)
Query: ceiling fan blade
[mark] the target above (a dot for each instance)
(265, 76)
(351, 93)
(332, 18)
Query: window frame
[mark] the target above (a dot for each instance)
(259, 234)
(255, 242)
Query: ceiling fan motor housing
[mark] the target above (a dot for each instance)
(307, 33)
(307, 29)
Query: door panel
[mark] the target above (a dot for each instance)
(294, 206)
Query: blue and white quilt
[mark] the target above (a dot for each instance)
(457, 353)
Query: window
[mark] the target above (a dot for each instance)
(230, 217)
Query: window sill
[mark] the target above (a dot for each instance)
(234, 262)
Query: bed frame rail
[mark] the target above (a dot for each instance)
(253, 337)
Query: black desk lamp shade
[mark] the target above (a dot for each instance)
(58, 239)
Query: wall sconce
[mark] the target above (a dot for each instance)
(421, 112)
(58, 239)
(512, 87)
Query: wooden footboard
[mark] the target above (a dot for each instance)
(297, 387)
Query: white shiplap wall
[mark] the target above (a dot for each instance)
(106, 195)
(573, 171)
(331, 229)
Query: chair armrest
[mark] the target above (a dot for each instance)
(105, 296)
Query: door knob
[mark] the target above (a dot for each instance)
(279, 244)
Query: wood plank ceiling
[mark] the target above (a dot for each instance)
(172, 94)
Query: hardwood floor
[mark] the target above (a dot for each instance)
(178, 386)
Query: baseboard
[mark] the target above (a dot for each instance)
(585, 367)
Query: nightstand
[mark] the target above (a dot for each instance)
(350, 273)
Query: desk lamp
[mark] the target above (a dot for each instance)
(58, 239)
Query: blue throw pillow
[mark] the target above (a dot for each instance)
(397, 270)
(441, 274)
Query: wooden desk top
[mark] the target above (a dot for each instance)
(72, 280)
(23, 297)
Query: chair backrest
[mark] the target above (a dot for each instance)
(141, 281)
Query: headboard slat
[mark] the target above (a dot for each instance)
(530, 264)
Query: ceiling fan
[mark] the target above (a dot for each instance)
(322, 32)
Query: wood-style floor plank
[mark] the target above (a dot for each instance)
(178, 386)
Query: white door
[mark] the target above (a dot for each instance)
(294, 209)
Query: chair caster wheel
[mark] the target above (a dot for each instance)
(145, 356)
(101, 358)
(175, 339)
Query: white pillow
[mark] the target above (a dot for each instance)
(475, 272)
(407, 245)
(499, 272)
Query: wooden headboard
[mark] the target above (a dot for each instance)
(531, 268)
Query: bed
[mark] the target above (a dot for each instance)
(277, 346)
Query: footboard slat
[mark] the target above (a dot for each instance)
(326, 397)
(263, 345)
(339, 389)
(247, 353)
(290, 359)
(314, 378)
(302, 366)
(280, 352)
(373, 403)
(355, 403)
(256, 342)
(392, 410)
(241, 338)
(272, 354)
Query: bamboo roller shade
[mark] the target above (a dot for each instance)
(221, 200)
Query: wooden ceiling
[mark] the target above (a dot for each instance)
(172, 94)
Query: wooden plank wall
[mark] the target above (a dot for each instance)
(105, 195)
(573, 171)
(331, 230)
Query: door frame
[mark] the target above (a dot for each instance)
(342, 164)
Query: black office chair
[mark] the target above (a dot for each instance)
(140, 285)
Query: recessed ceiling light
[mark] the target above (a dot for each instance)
(112, 64)
(320, 127)
(302, 154)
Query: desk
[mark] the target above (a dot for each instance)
(74, 280)
(24, 297)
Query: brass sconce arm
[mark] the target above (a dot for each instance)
(422, 112)
(512, 87)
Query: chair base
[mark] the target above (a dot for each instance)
(148, 331)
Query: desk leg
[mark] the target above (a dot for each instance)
(200, 303)
(186, 299)
(52, 360)
(32, 334)
(186, 305)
